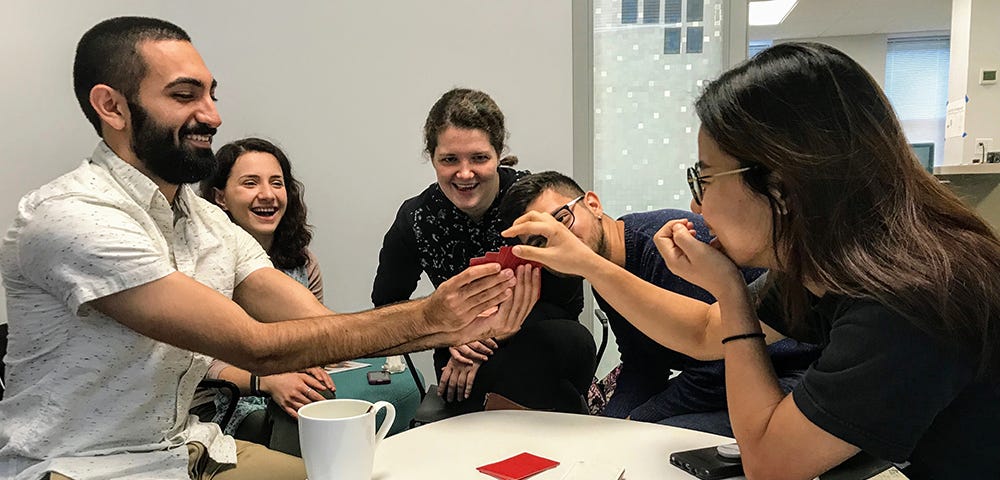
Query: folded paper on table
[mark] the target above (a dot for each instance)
(344, 366)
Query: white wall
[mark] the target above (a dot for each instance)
(343, 86)
(868, 50)
(982, 50)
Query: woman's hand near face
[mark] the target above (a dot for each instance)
(697, 262)
(563, 251)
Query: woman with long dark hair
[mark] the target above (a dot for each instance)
(254, 185)
(805, 170)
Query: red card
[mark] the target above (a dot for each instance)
(505, 257)
(511, 261)
(522, 465)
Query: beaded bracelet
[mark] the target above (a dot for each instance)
(742, 336)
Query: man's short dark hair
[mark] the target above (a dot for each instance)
(526, 189)
(108, 54)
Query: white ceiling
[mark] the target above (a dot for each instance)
(831, 18)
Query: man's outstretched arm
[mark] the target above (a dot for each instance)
(179, 310)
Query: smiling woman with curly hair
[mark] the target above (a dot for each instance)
(255, 187)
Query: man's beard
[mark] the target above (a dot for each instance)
(161, 153)
(601, 243)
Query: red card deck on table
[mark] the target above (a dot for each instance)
(522, 465)
(505, 257)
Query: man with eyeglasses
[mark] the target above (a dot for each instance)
(645, 388)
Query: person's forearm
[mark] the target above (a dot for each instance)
(236, 376)
(673, 320)
(751, 384)
(187, 314)
(426, 342)
(297, 344)
(752, 390)
(317, 336)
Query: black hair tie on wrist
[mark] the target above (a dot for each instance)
(742, 336)
(255, 385)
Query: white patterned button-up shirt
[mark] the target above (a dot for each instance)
(86, 396)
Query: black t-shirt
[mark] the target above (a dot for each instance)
(889, 388)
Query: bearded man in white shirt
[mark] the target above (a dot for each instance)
(117, 273)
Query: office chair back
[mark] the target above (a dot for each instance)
(3, 353)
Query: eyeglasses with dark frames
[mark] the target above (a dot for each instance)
(564, 215)
(696, 180)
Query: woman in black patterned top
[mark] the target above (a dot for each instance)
(548, 364)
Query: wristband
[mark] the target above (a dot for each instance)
(255, 386)
(742, 336)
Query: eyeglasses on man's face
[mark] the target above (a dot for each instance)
(564, 215)
(696, 180)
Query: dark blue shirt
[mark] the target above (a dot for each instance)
(646, 364)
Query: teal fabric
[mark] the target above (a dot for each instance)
(401, 392)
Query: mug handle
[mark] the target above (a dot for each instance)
(390, 416)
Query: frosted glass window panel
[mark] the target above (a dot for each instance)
(650, 11)
(916, 82)
(672, 40)
(695, 39)
(672, 11)
(630, 11)
(696, 10)
(645, 128)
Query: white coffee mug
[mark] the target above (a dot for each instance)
(338, 438)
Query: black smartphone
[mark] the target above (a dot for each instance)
(379, 377)
(707, 464)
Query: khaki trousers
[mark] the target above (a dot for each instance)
(254, 462)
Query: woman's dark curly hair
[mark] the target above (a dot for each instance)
(293, 234)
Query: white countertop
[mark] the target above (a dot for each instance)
(453, 448)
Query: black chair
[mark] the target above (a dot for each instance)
(3, 353)
(222, 387)
(433, 408)
(603, 318)
(257, 427)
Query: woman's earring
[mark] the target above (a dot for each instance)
(782, 208)
(779, 200)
